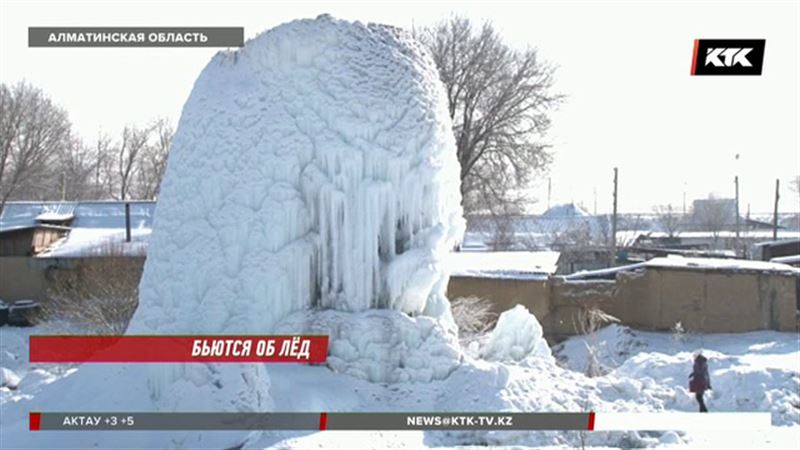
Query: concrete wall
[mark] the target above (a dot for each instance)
(31, 278)
(652, 299)
(504, 292)
(20, 279)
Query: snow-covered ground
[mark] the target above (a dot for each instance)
(312, 186)
(644, 371)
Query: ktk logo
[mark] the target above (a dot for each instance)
(728, 56)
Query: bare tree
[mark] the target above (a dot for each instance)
(668, 218)
(499, 100)
(713, 214)
(126, 161)
(102, 173)
(154, 161)
(32, 131)
(74, 168)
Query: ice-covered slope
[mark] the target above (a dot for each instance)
(314, 166)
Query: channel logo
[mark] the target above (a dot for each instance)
(728, 56)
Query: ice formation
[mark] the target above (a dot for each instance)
(381, 346)
(313, 167)
(517, 336)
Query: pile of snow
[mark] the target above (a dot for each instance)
(611, 346)
(316, 166)
(750, 372)
(756, 371)
(502, 264)
(381, 345)
(517, 336)
(8, 379)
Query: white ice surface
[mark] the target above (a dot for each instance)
(516, 337)
(315, 166)
(381, 345)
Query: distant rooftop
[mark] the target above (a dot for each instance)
(681, 262)
(95, 228)
(93, 214)
(502, 264)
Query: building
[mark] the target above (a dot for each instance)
(38, 238)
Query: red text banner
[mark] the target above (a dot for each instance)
(178, 349)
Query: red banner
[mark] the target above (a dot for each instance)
(178, 349)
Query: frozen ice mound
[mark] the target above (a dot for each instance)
(8, 379)
(381, 346)
(315, 166)
(516, 337)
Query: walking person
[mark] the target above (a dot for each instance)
(699, 380)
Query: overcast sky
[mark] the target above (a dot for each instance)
(623, 65)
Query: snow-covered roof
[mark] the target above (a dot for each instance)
(502, 264)
(718, 264)
(727, 234)
(94, 214)
(791, 259)
(779, 242)
(567, 210)
(690, 263)
(54, 217)
(82, 242)
(97, 227)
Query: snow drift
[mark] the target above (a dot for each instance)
(516, 337)
(314, 167)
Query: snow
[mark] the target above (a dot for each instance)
(90, 214)
(517, 336)
(791, 259)
(688, 263)
(502, 264)
(719, 264)
(727, 234)
(8, 379)
(645, 371)
(54, 217)
(756, 371)
(81, 242)
(314, 167)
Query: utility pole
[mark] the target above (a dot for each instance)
(127, 222)
(775, 213)
(736, 183)
(747, 232)
(549, 191)
(684, 203)
(614, 221)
